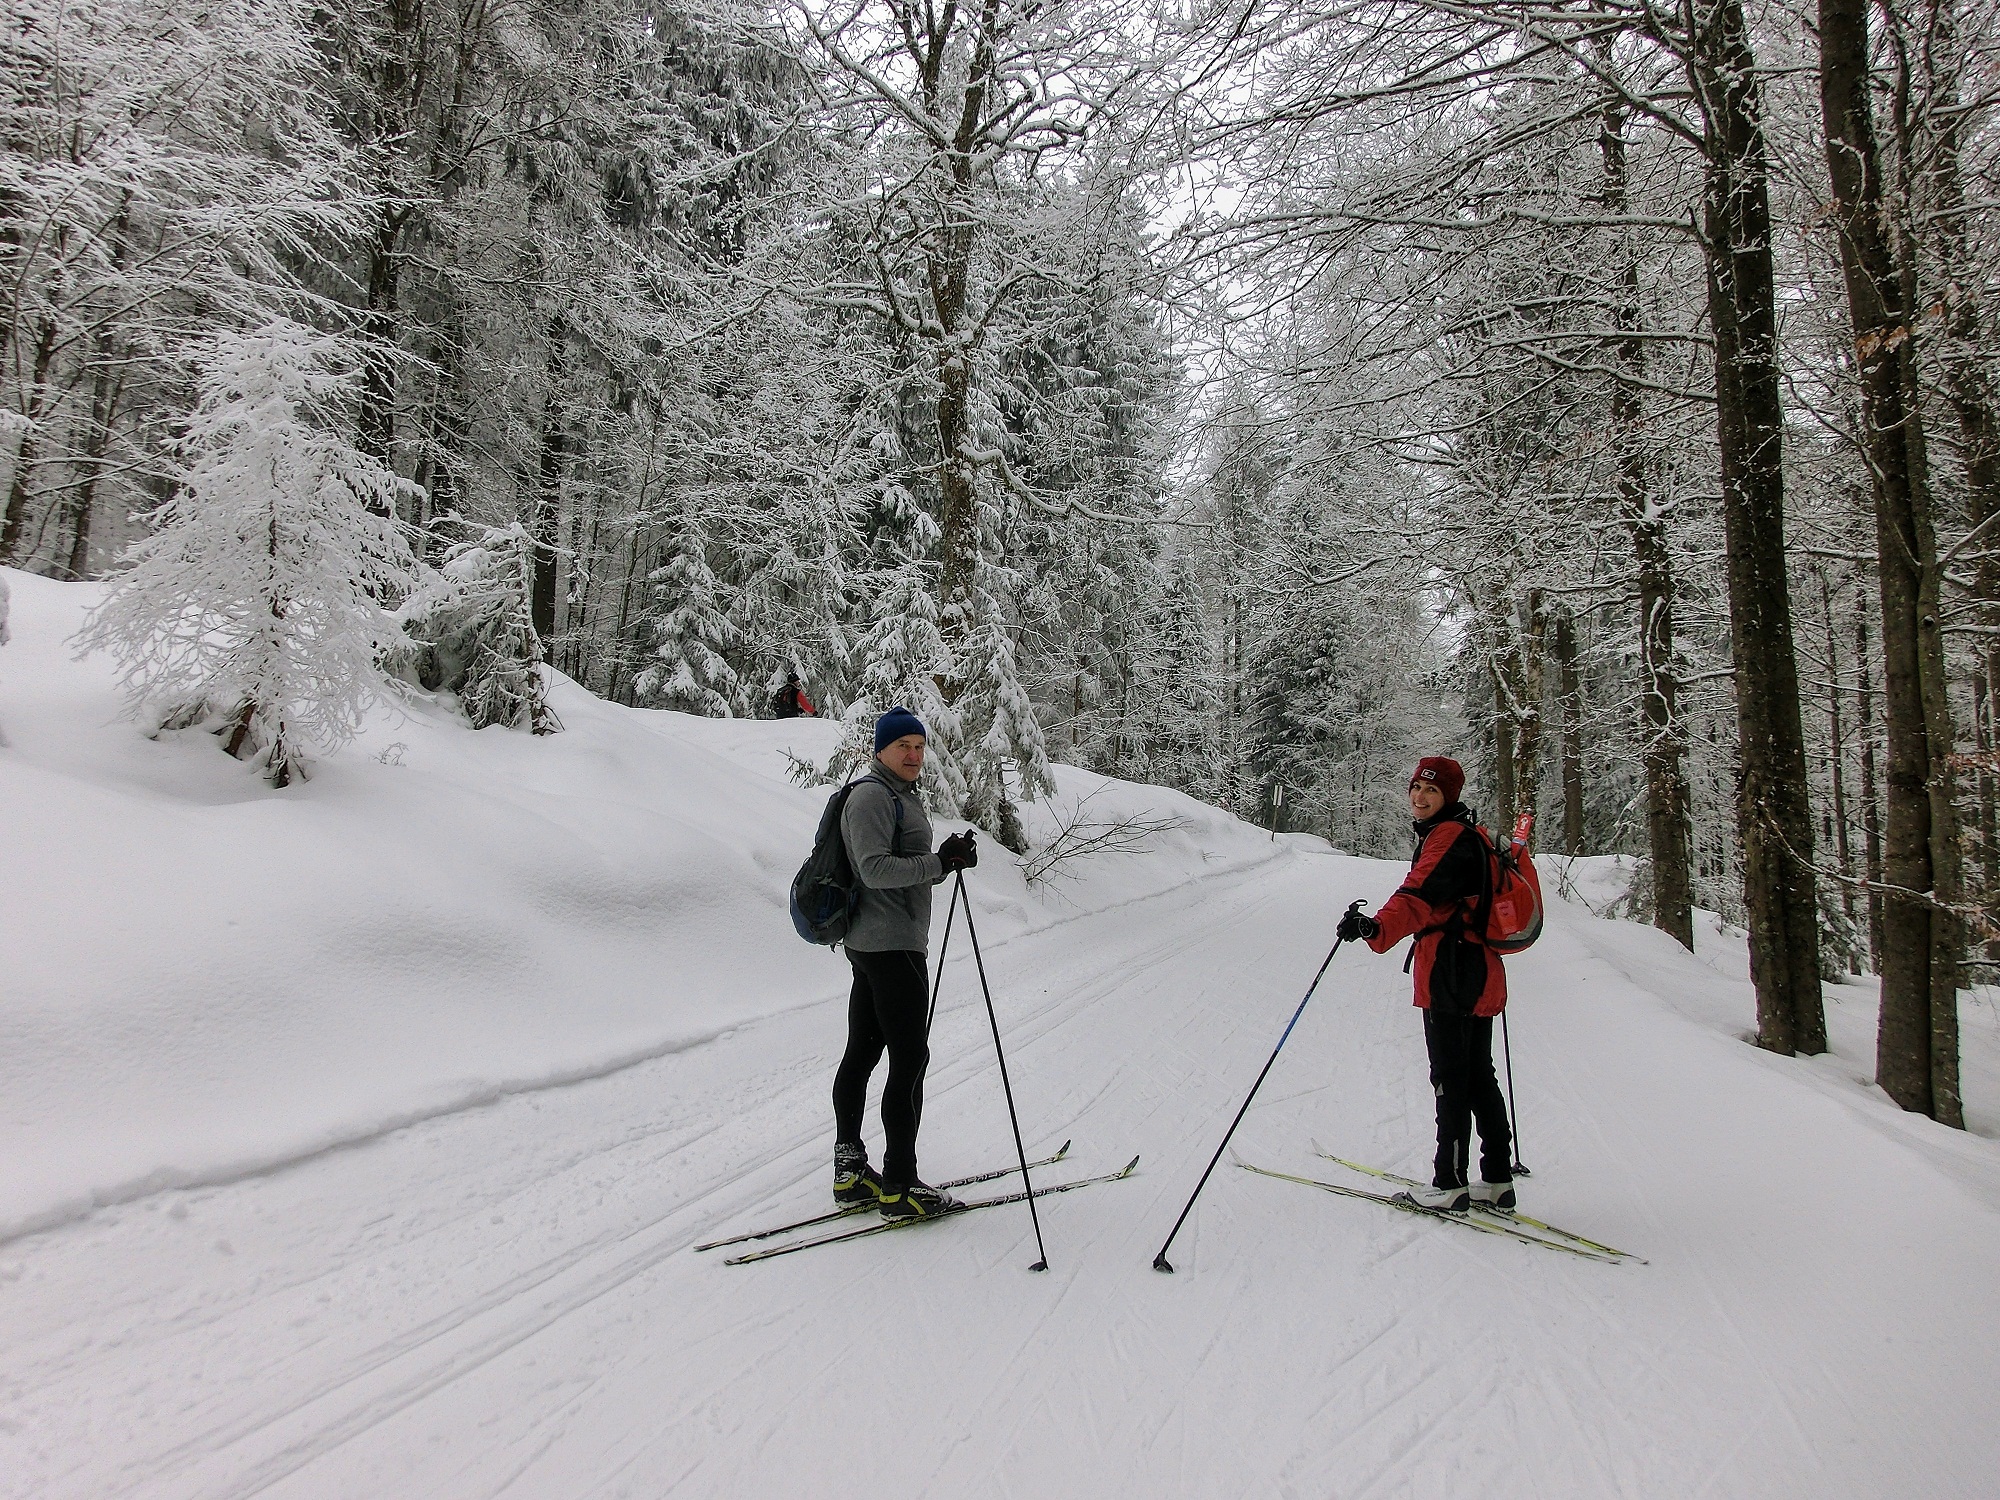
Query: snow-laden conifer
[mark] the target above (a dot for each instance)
(256, 604)
(689, 631)
(475, 622)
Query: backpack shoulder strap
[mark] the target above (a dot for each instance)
(1483, 911)
(896, 838)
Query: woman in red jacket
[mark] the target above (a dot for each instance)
(1461, 986)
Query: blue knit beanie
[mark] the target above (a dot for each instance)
(896, 723)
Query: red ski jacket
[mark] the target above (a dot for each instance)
(1455, 972)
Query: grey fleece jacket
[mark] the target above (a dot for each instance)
(895, 910)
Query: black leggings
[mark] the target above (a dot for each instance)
(886, 1009)
(1461, 1049)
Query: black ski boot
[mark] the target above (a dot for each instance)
(916, 1201)
(855, 1184)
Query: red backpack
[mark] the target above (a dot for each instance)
(1512, 895)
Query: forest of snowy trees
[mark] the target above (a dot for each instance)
(1248, 398)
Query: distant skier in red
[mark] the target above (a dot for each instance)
(790, 701)
(1460, 983)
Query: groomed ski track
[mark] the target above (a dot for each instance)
(504, 1301)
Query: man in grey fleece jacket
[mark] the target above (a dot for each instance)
(888, 838)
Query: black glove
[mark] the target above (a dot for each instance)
(1355, 928)
(957, 853)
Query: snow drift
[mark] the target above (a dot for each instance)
(205, 977)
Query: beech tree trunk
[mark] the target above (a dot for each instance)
(1968, 390)
(1569, 697)
(1871, 799)
(1917, 1045)
(1530, 628)
(1772, 813)
(15, 518)
(546, 529)
(1837, 753)
(1669, 817)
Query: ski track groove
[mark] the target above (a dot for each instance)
(457, 1367)
(1375, 1401)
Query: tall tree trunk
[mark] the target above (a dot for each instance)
(376, 415)
(15, 519)
(1837, 754)
(1669, 836)
(1871, 797)
(1503, 746)
(1569, 698)
(546, 530)
(1983, 741)
(1967, 384)
(1917, 1046)
(1530, 657)
(105, 386)
(1772, 813)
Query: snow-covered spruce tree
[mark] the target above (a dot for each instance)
(255, 606)
(689, 630)
(164, 168)
(903, 658)
(474, 623)
(1179, 718)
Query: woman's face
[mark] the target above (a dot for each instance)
(1426, 801)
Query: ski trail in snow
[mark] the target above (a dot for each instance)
(427, 1359)
(502, 1302)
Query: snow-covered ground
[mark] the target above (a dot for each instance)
(354, 1139)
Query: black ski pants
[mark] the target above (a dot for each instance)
(886, 1011)
(1461, 1049)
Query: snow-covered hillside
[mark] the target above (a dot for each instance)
(206, 978)
(207, 984)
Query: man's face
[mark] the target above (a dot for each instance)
(905, 756)
(1426, 801)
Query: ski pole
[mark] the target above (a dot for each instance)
(1020, 1150)
(1160, 1261)
(1513, 1111)
(944, 947)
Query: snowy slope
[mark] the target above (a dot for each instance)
(505, 1301)
(205, 977)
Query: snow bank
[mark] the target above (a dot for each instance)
(205, 978)
(1711, 988)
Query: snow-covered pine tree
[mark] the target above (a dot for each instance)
(256, 606)
(165, 167)
(903, 658)
(474, 620)
(1179, 719)
(689, 630)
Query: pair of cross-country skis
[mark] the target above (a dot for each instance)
(1505, 1223)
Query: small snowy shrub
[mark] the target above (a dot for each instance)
(254, 607)
(474, 623)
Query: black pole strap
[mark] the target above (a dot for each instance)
(1005, 1083)
(944, 947)
(1513, 1112)
(1160, 1261)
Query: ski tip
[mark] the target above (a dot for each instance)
(1130, 1167)
(1063, 1152)
(1161, 1263)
